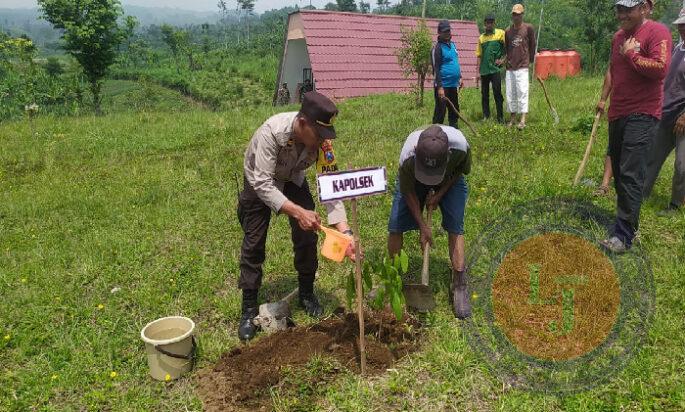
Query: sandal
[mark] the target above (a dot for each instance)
(601, 191)
(521, 126)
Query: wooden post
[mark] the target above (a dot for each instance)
(360, 290)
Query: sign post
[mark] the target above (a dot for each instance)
(350, 185)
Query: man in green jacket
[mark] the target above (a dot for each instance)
(490, 53)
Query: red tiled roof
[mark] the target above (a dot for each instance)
(354, 54)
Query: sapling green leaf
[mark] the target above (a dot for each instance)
(366, 276)
(388, 272)
(404, 261)
(396, 304)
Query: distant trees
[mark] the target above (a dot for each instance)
(382, 5)
(91, 34)
(364, 7)
(129, 28)
(346, 5)
(179, 43)
(247, 6)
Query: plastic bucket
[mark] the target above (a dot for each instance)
(170, 346)
(335, 244)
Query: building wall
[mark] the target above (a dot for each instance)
(296, 59)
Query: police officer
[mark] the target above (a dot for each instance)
(276, 159)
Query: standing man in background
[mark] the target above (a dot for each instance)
(640, 56)
(520, 51)
(671, 133)
(283, 95)
(447, 73)
(490, 53)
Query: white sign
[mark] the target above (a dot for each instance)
(351, 184)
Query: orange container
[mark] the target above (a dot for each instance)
(560, 64)
(335, 244)
(573, 63)
(544, 64)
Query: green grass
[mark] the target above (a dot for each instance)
(145, 201)
(224, 81)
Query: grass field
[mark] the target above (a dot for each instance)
(145, 201)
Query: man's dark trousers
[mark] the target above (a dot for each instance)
(254, 217)
(664, 143)
(630, 141)
(440, 107)
(496, 80)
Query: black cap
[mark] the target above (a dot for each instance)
(321, 112)
(431, 155)
(444, 26)
(490, 17)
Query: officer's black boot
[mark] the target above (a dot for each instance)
(308, 300)
(247, 329)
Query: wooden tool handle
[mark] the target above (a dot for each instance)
(588, 149)
(427, 247)
(544, 90)
(291, 295)
(454, 109)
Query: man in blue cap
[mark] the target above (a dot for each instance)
(447, 73)
(437, 158)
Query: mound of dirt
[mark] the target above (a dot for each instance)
(241, 379)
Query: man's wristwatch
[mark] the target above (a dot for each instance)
(348, 232)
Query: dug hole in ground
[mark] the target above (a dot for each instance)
(242, 379)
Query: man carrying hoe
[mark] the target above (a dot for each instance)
(640, 56)
(435, 158)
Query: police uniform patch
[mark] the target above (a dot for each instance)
(326, 162)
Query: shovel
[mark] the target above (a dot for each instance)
(419, 297)
(274, 317)
(555, 115)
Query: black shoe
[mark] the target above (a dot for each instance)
(461, 301)
(311, 305)
(670, 211)
(247, 329)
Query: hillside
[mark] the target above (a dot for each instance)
(27, 21)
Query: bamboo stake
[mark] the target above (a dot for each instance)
(360, 291)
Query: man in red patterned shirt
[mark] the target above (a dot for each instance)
(640, 57)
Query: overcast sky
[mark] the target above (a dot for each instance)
(199, 5)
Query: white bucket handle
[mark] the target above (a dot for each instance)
(189, 356)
